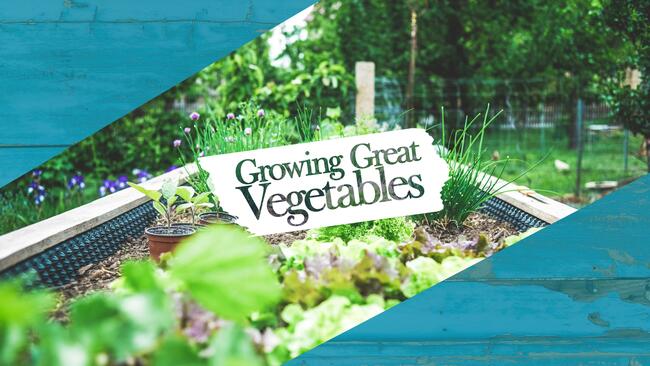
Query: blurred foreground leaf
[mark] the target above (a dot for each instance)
(226, 271)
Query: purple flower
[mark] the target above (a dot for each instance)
(121, 181)
(176, 143)
(230, 116)
(248, 131)
(261, 113)
(194, 116)
(37, 173)
(171, 167)
(77, 181)
(37, 191)
(142, 176)
(187, 130)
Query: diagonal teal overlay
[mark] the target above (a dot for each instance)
(576, 293)
(68, 68)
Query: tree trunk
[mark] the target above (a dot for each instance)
(410, 87)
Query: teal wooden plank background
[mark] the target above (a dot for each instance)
(576, 293)
(68, 68)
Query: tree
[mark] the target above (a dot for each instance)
(631, 19)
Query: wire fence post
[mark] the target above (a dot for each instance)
(579, 112)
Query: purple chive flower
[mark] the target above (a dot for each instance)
(176, 143)
(248, 131)
(194, 116)
(230, 116)
(171, 167)
(261, 113)
(187, 130)
(37, 173)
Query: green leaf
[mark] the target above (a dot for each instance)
(183, 206)
(19, 311)
(169, 189)
(233, 347)
(154, 195)
(122, 326)
(226, 271)
(176, 351)
(140, 276)
(202, 198)
(160, 208)
(186, 193)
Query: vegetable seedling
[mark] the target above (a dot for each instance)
(193, 201)
(168, 192)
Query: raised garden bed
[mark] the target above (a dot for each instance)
(57, 248)
(84, 250)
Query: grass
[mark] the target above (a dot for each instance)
(603, 159)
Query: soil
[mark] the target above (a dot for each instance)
(477, 223)
(174, 230)
(100, 275)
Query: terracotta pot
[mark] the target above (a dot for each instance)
(163, 239)
(208, 218)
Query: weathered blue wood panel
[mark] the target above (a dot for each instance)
(17, 159)
(68, 68)
(577, 293)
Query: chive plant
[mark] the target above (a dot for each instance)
(253, 128)
(471, 182)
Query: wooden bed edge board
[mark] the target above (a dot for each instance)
(23, 243)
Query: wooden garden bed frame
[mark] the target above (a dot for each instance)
(24, 243)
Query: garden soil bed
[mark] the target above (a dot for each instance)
(99, 276)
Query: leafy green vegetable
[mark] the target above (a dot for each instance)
(233, 347)
(309, 328)
(396, 229)
(225, 270)
(515, 238)
(19, 312)
(174, 351)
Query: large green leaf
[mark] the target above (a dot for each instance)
(169, 188)
(154, 195)
(19, 311)
(226, 271)
(233, 347)
(186, 193)
(176, 351)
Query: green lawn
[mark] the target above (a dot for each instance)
(603, 159)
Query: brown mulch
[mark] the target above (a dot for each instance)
(99, 276)
(477, 223)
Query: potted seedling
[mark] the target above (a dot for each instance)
(193, 202)
(163, 239)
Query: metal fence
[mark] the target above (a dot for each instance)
(538, 117)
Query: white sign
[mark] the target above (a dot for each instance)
(332, 182)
